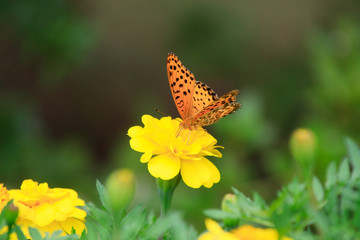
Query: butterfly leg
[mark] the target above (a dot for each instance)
(179, 131)
(188, 139)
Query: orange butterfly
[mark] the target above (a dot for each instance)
(198, 104)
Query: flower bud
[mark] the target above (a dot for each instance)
(120, 185)
(229, 199)
(302, 145)
(10, 213)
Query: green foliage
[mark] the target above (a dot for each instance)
(104, 224)
(306, 210)
(332, 100)
(138, 223)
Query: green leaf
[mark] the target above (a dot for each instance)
(354, 156)
(155, 230)
(19, 233)
(331, 176)
(258, 200)
(247, 207)
(3, 236)
(218, 214)
(93, 232)
(133, 223)
(35, 234)
(104, 196)
(179, 230)
(344, 171)
(318, 189)
(99, 215)
(98, 220)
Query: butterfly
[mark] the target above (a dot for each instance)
(197, 103)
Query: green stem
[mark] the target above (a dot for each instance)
(166, 190)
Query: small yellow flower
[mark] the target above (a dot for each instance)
(168, 154)
(248, 232)
(245, 232)
(4, 196)
(48, 209)
(215, 232)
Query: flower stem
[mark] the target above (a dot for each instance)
(166, 190)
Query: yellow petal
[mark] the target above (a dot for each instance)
(212, 152)
(197, 173)
(212, 226)
(207, 236)
(135, 131)
(141, 144)
(215, 175)
(70, 223)
(149, 120)
(181, 149)
(168, 123)
(45, 214)
(216, 232)
(164, 166)
(146, 157)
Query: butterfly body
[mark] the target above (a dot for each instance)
(197, 103)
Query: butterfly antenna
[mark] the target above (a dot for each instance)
(166, 115)
(157, 110)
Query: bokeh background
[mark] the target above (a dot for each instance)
(75, 75)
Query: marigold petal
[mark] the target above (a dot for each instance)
(251, 232)
(70, 223)
(212, 152)
(141, 144)
(197, 173)
(215, 176)
(67, 208)
(28, 184)
(206, 236)
(212, 226)
(135, 131)
(45, 214)
(168, 123)
(146, 157)
(78, 213)
(149, 120)
(164, 166)
(216, 232)
(183, 150)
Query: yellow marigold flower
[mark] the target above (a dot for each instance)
(4, 196)
(168, 154)
(245, 232)
(215, 232)
(48, 209)
(248, 232)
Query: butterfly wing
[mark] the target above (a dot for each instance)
(202, 97)
(217, 109)
(182, 84)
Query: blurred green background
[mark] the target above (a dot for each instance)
(75, 75)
